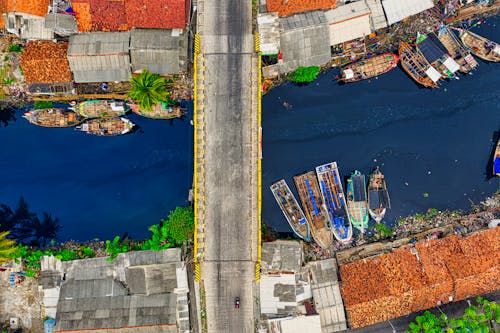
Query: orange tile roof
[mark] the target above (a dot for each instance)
(34, 7)
(404, 281)
(120, 15)
(45, 62)
(289, 7)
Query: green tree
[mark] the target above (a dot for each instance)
(159, 239)
(148, 89)
(427, 323)
(7, 221)
(179, 225)
(7, 247)
(39, 232)
(116, 247)
(305, 74)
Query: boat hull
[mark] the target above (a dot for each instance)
(415, 65)
(53, 117)
(456, 50)
(291, 209)
(356, 201)
(159, 111)
(101, 109)
(378, 196)
(106, 126)
(369, 68)
(496, 160)
(480, 46)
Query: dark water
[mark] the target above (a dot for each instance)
(425, 141)
(98, 186)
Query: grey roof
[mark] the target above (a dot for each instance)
(268, 25)
(281, 256)
(152, 279)
(61, 24)
(303, 20)
(161, 51)
(99, 43)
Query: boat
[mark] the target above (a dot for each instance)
(53, 117)
(106, 126)
(496, 160)
(370, 67)
(315, 209)
(159, 111)
(431, 48)
(356, 201)
(417, 67)
(482, 47)
(378, 196)
(333, 196)
(456, 50)
(101, 108)
(291, 209)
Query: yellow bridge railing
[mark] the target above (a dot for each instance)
(197, 270)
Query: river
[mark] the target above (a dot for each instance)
(435, 142)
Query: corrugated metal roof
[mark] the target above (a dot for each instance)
(377, 16)
(303, 20)
(99, 43)
(277, 294)
(347, 12)
(396, 10)
(62, 24)
(348, 22)
(281, 256)
(309, 324)
(269, 33)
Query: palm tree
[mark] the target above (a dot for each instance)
(7, 247)
(45, 230)
(148, 89)
(7, 221)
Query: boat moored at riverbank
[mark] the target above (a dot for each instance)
(333, 196)
(159, 111)
(378, 196)
(368, 68)
(53, 117)
(101, 108)
(106, 126)
(291, 209)
(317, 216)
(482, 47)
(356, 201)
(417, 67)
(496, 160)
(431, 48)
(456, 49)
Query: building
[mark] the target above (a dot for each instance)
(420, 276)
(290, 7)
(61, 24)
(397, 10)
(268, 26)
(304, 41)
(377, 16)
(20, 10)
(46, 68)
(301, 324)
(112, 15)
(348, 22)
(100, 57)
(143, 292)
(160, 51)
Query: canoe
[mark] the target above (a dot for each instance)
(356, 201)
(53, 117)
(159, 111)
(378, 196)
(480, 46)
(101, 108)
(496, 160)
(417, 66)
(106, 126)
(291, 209)
(370, 67)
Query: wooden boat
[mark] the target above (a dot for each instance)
(333, 196)
(370, 67)
(291, 209)
(431, 48)
(456, 50)
(356, 201)
(101, 108)
(159, 111)
(378, 196)
(417, 67)
(480, 46)
(53, 117)
(496, 160)
(106, 126)
(317, 216)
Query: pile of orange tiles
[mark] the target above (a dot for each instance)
(289, 7)
(33, 7)
(412, 279)
(45, 62)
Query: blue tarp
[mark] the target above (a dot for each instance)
(496, 165)
(431, 48)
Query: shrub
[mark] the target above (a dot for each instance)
(15, 48)
(305, 74)
(43, 104)
(115, 247)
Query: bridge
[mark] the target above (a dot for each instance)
(227, 183)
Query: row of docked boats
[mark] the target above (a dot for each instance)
(329, 213)
(435, 56)
(99, 117)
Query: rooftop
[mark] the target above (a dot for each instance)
(415, 278)
(281, 256)
(45, 62)
(289, 7)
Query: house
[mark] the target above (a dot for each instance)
(397, 10)
(304, 41)
(348, 22)
(112, 15)
(161, 51)
(290, 7)
(25, 18)
(141, 292)
(61, 24)
(377, 16)
(100, 57)
(46, 68)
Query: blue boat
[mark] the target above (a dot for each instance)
(334, 199)
(496, 160)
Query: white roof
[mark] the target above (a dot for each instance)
(309, 324)
(269, 304)
(451, 65)
(433, 74)
(497, 49)
(377, 16)
(349, 74)
(268, 26)
(348, 22)
(396, 10)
